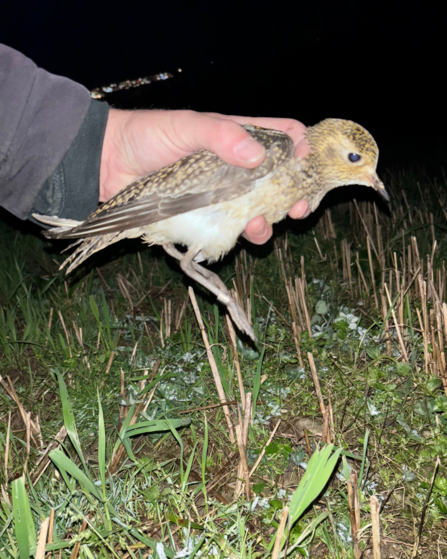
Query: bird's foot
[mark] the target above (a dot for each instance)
(213, 283)
(240, 318)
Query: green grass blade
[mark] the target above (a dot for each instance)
(69, 420)
(64, 463)
(257, 381)
(144, 427)
(309, 530)
(364, 457)
(216, 323)
(101, 447)
(253, 310)
(204, 457)
(106, 317)
(102, 457)
(94, 308)
(150, 543)
(188, 468)
(122, 433)
(23, 520)
(220, 367)
(319, 470)
(179, 440)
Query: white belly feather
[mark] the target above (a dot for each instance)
(213, 230)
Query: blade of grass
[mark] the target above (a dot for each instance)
(179, 440)
(69, 420)
(257, 381)
(319, 469)
(102, 457)
(23, 520)
(64, 463)
(364, 457)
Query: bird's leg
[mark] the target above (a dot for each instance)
(213, 283)
(208, 279)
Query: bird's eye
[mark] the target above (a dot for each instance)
(353, 157)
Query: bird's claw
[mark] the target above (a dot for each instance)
(240, 319)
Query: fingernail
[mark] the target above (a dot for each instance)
(249, 150)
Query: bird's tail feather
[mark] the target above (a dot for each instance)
(60, 224)
(87, 248)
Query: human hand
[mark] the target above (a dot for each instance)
(139, 142)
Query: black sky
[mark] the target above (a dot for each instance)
(381, 64)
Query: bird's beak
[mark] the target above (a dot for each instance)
(378, 186)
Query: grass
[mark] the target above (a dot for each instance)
(134, 423)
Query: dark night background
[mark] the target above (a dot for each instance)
(382, 65)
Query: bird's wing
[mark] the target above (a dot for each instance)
(196, 181)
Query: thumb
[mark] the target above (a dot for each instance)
(227, 139)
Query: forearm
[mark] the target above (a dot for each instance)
(40, 117)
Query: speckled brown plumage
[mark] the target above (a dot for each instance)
(204, 203)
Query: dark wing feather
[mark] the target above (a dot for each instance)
(196, 181)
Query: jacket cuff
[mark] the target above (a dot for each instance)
(72, 191)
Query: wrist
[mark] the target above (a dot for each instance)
(112, 153)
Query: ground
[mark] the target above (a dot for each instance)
(148, 463)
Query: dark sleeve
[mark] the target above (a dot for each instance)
(51, 135)
(72, 191)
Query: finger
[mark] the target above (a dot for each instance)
(294, 128)
(302, 149)
(258, 231)
(300, 210)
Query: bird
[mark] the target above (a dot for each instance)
(203, 203)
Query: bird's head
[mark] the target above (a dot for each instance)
(343, 153)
